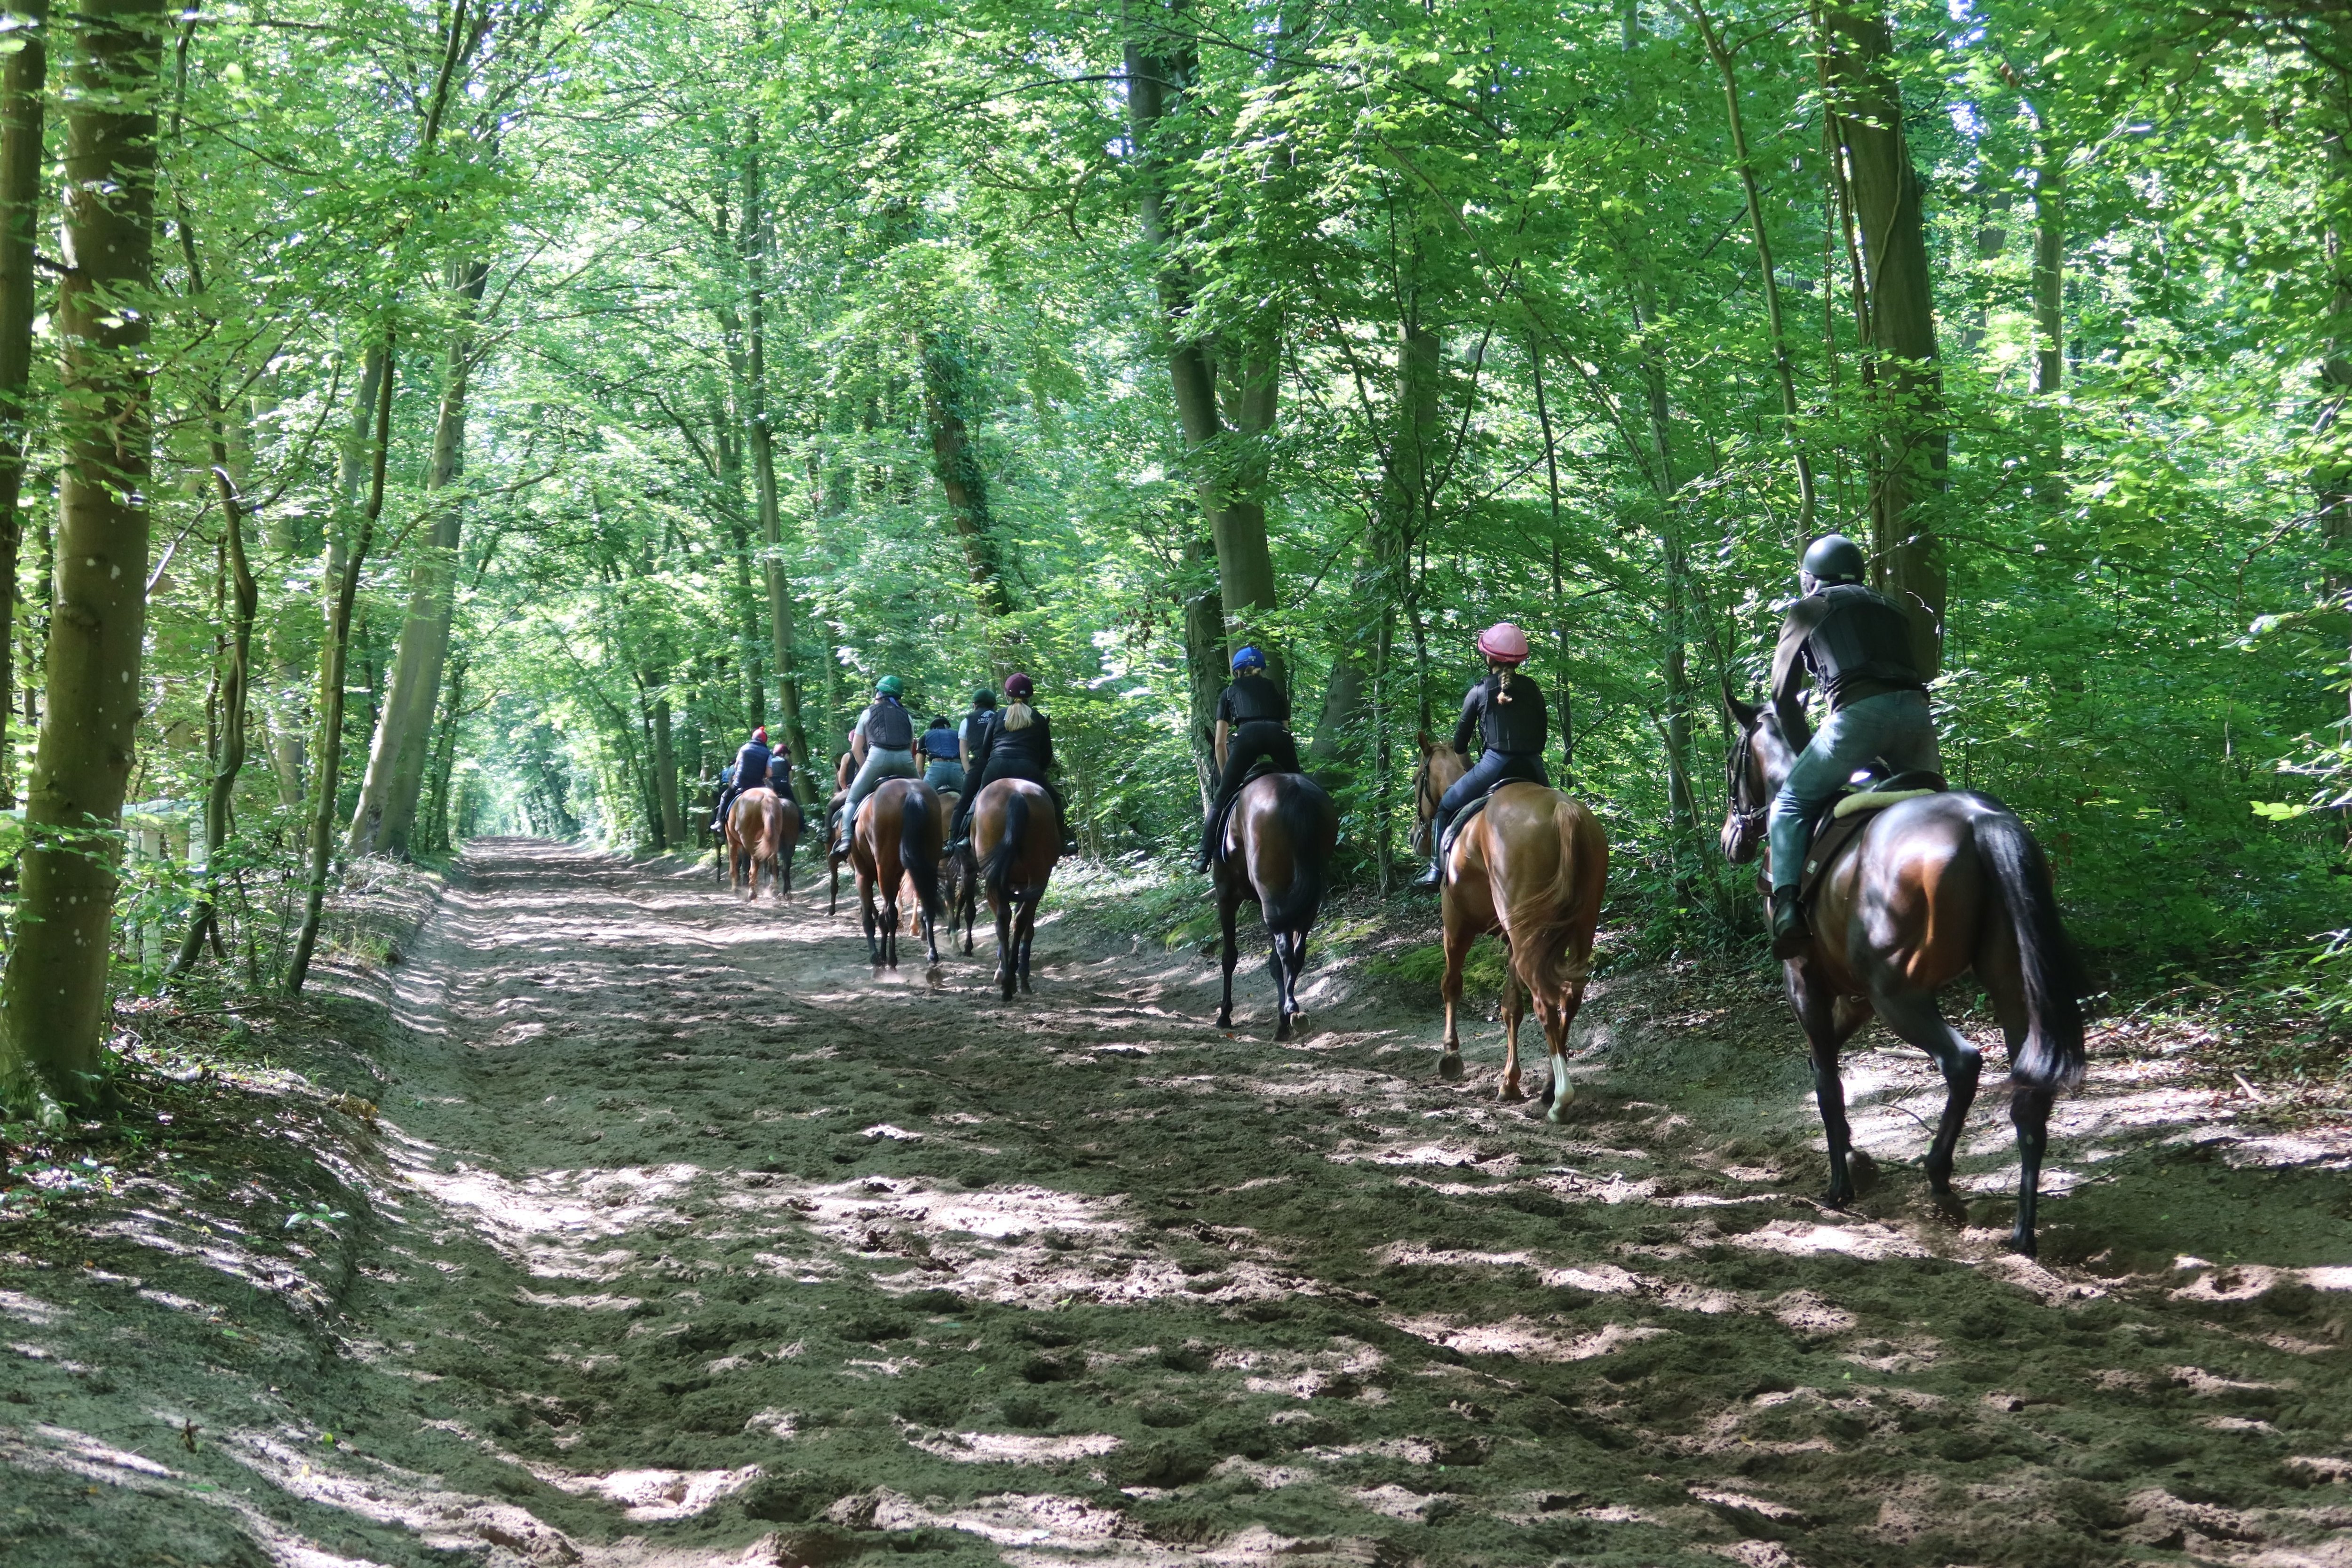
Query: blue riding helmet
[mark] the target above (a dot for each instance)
(1248, 659)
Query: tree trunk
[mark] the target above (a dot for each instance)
(53, 996)
(334, 649)
(665, 774)
(948, 397)
(1204, 660)
(1229, 466)
(22, 86)
(1721, 55)
(761, 437)
(1873, 159)
(433, 834)
(404, 733)
(2049, 267)
(1387, 544)
(1682, 805)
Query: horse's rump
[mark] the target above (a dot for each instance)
(1309, 831)
(1547, 865)
(1008, 806)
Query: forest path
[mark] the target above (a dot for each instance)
(706, 1245)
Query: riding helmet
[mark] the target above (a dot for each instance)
(890, 686)
(761, 734)
(1248, 659)
(1504, 641)
(984, 698)
(1019, 687)
(1834, 558)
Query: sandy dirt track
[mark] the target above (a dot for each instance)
(681, 1238)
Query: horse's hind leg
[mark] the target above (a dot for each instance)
(1515, 1012)
(1005, 956)
(1227, 903)
(1914, 1016)
(2029, 1111)
(1027, 932)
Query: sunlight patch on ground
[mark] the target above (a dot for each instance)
(661, 1494)
(1013, 1448)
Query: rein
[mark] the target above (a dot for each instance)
(1746, 817)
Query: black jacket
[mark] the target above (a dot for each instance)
(1514, 722)
(1029, 750)
(751, 766)
(1253, 698)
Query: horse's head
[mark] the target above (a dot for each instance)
(1760, 759)
(1436, 773)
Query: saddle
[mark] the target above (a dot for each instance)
(1257, 770)
(1851, 812)
(1462, 819)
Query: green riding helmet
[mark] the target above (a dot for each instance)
(890, 686)
(1834, 558)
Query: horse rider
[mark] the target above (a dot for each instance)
(1506, 711)
(943, 753)
(1252, 725)
(887, 732)
(1017, 743)
(1857, 645)
(749, 771)
(967, 733)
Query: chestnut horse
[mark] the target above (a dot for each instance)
(1933, 886)
(1016, 837)
(762, 829)
(895, 844)
(1530, 868)
(1277, 849)
(837, 846)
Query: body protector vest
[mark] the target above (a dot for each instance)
(1859, 638)
(975, 725)
(1032, 747)
(889, 727)
(1518, 726)
(1252, 699)
(750, 766)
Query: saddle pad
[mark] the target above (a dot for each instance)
(1873, 800)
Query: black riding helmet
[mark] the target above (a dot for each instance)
(1834, 558)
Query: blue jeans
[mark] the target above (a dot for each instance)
(944, 775)
(1493, 768)
(1894, 726)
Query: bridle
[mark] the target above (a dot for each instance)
(1424, 798)
(1745, 817)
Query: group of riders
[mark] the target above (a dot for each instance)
(1853, 642)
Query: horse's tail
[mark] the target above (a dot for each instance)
(2051, 1056)
(1302, 810)
(914, 848)
(998, 873)
(1546, 918)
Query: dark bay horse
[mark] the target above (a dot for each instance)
(943, 805)
(1932, 888)
(1016, 838)
(1531, 867)
(1277, 849)
(762, 829)
(895, 844)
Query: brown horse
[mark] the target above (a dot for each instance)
(896, 843)
(1932, 888)
(763, 827)
(944, 804)
(1530, 868)
(1277, 849)
(1016, 837)
(836, 846)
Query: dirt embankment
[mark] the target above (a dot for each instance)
(675, 1235)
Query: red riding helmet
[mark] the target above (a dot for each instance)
(1504, 641)
(1020, 687)
(761, 734)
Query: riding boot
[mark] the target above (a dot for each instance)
(1790, 936)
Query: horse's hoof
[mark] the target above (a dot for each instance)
(1557, 1112)
(1508, 1089)
(1449, 1064)
(1224, 1018)
(1836, 1200)
(2023, 1243)
(1282, 1029)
